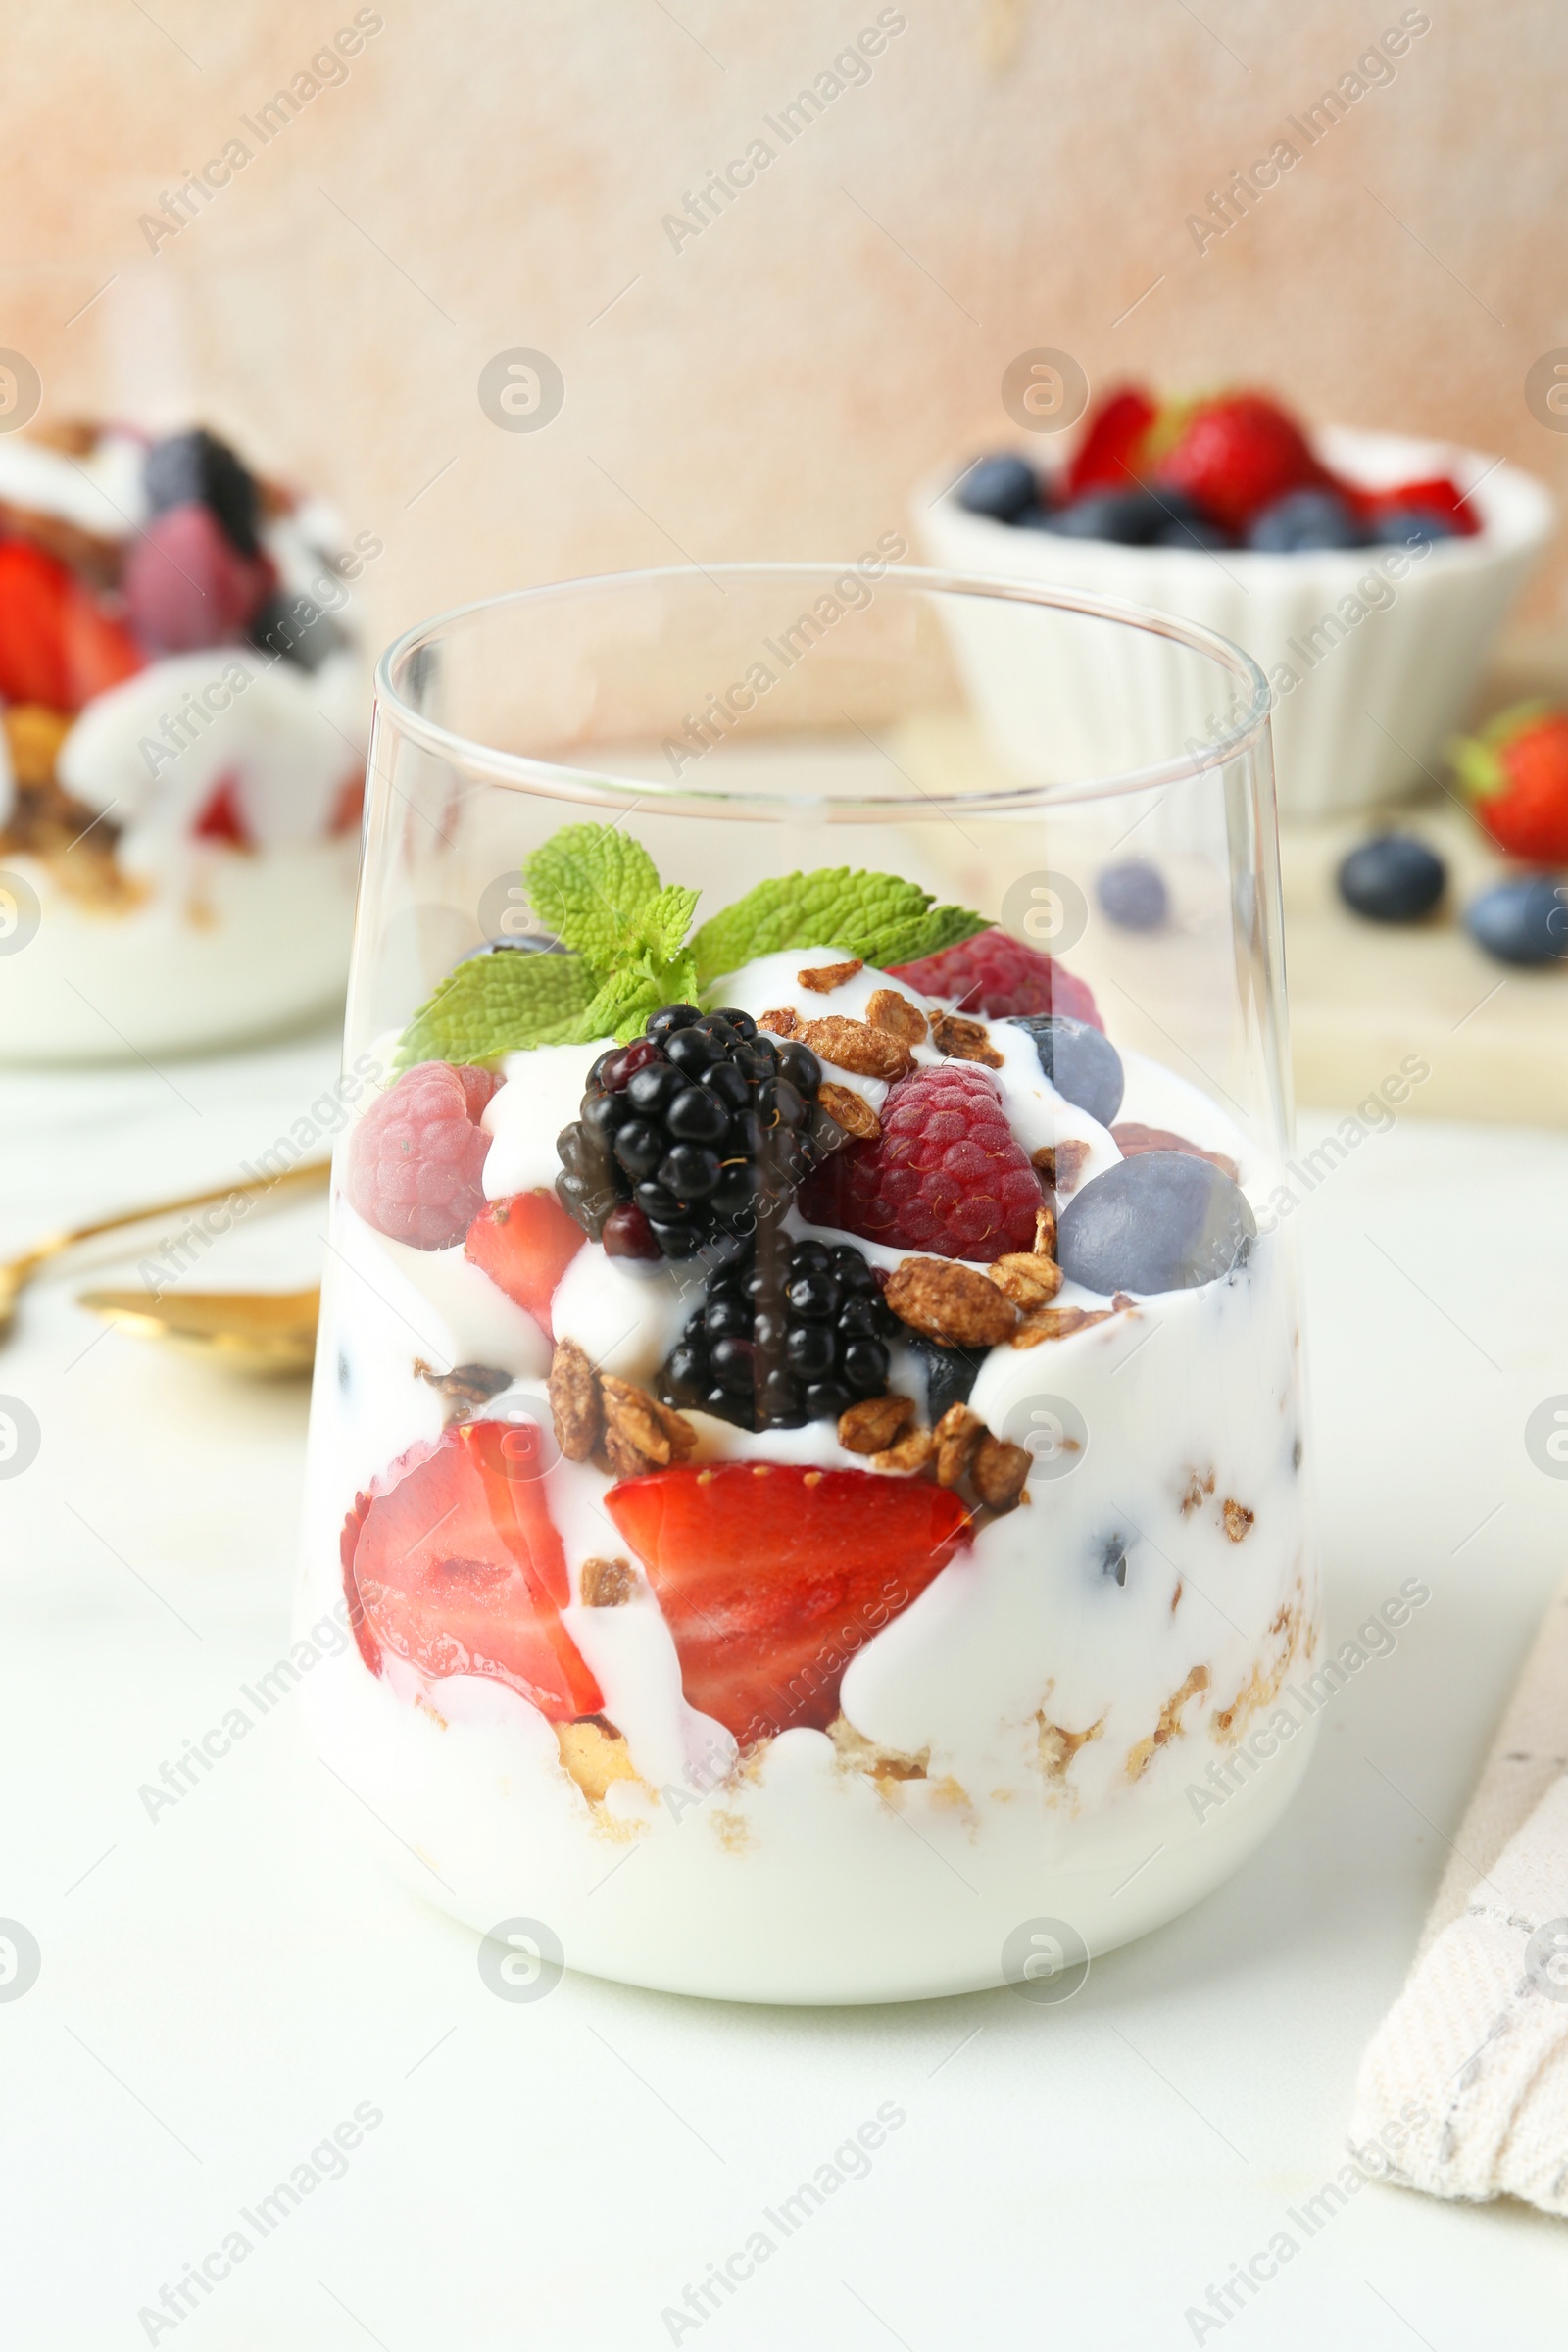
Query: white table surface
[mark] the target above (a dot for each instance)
(222, 1985)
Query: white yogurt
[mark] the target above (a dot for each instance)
(1064, 1683)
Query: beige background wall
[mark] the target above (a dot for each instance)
(1011, 174)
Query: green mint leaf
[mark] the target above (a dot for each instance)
(665, 924)
(879, 918)
(498, 1003)
(594, 887)
(938, 928)
(622, 1005)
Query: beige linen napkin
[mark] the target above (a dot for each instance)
(1465, 2084)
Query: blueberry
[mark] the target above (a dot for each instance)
(1130, 517)
(1199, 538)
(1000, 486)
(1133, 895)
(1392, 880)
(1305, 520)
(1524, 920)
(295, 629)
(1164, 1221)
(197, 467)
(1081, 1062)
(949, 1373)
(1413, 526)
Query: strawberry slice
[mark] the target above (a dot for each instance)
(222, 818)
(57, 644)
(1109, 456)
(771, 1577)
(525, 1245)
(458, 1568)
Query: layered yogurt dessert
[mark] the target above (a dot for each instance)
(808, 1442)
(182, 735)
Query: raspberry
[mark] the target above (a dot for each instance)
(994, 975)
(416, 1158)
(946, 1175)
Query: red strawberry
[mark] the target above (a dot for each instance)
(994, 975)
(348, 806)
(1516, 774)
(1109, 456)
(458, 1568)
(1440, 494)
(57, 644)
(525, 1245)
(1237, 455)
(771, 1577)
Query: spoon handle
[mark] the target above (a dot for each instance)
(21, 1269)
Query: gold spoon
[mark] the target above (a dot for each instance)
(269, 1332)
(18, 1272)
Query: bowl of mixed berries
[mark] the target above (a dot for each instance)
(1366, 572)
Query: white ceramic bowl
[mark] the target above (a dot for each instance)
(1373, 655)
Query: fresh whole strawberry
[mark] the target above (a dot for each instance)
(525, 1245)
(1110, 454)
(458, 1568)
(1237, 455)
(995, 975)
(57, 644)
(1515, 773)
(771, 1576)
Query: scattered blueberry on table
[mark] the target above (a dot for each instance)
(1393, 878)
(1523, 921)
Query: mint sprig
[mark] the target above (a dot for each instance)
(628, 954)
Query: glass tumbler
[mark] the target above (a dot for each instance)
(806, 1496)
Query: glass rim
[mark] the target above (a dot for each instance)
(520, 769)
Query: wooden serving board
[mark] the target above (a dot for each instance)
(1364, 997)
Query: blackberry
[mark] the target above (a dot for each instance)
(197, 468)
(701, 1127)
(787, 1333)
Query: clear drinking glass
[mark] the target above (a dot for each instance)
(816, 1493)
